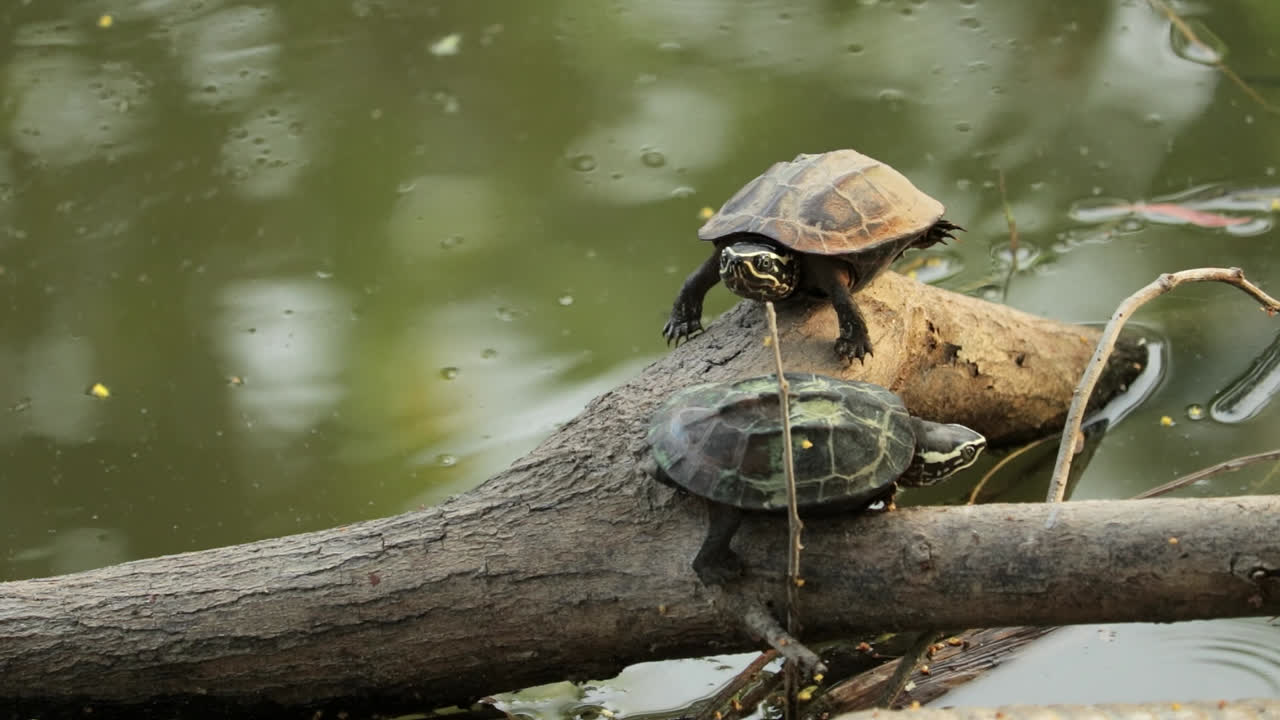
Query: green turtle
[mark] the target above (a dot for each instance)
(853, 443)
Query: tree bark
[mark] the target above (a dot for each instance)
(573, 563)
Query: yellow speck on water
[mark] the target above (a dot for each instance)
(705, 213)
(799, 582)
(105, 21)
(99, 390)
(1166, 421)
(1173, 541)
(805, 444)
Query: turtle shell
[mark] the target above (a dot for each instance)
(723, 441)
(834, 203)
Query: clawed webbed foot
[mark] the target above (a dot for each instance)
(678, 329)
(849, 349)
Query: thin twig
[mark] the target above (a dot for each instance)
(1013, 236)
(1080, 398)
(973, 494)
(907, 665)
(793, 514)
(1225, 466)
(1218, 64)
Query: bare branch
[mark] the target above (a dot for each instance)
(1080, 398)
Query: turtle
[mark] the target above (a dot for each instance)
(825, 224)
(853, 443)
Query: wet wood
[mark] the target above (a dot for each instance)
(573, 563)
(953, 662)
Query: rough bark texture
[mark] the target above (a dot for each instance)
(476, 597)
(573, 563)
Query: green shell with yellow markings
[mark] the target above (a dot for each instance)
(724, 441)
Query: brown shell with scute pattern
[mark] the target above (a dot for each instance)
(833, 203)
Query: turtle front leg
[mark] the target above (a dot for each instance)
(854, 343)
(686, 313)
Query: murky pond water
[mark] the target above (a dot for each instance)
(275, 267)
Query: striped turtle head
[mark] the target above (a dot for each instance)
(758, 271)
(941, 451)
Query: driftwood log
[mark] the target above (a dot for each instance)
(572, 563)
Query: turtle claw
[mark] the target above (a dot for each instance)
(855, 348)
(676, 330)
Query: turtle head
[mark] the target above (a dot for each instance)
(941, 451)
(757, 271)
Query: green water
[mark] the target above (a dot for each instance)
(333, 261)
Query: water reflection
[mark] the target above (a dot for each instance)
(1249, 394)
(266, 229)
(285, 337)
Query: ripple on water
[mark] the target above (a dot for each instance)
(1206, 48)
(1252, 391)
(1241, 653)
(1026, 255)
(584, 162)
(1140, 662)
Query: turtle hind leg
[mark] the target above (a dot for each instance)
(686, 313)
(717, 566)
(716, 563)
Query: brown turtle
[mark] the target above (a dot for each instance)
(826, 224)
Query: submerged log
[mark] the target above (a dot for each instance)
(574, 563)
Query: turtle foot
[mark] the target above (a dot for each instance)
(849, 349)
(678, 329)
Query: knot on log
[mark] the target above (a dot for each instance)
(1253, 569)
